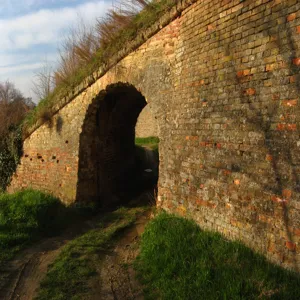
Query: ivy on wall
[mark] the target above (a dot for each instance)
(10, 152)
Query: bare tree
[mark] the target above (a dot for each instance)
(43, 83)
(13, 107)
(8, 92)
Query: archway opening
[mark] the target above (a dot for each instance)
(112, 169)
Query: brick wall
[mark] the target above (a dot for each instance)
(222, 81)
(146, 125)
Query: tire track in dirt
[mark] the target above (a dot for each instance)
(20, 278)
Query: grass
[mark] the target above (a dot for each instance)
(25, 217)
(68, 277)
(139, 22)
(180, 261)
(149, 142)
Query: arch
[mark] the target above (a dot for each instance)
(107, 167)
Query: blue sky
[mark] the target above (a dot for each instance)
(31, 31)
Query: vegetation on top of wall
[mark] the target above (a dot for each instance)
(178, 260)
(88, 51)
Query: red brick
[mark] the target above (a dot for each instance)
(275, 198)
(269, 157)
(291, 127)
(298, 29)
(292, 102)
(226, 172)
(250, 92)
(287, 194)
(297, 231)
(242, 73)
(204, 203)
(290, 245)
(296, 61)
(228, 205)
(280, 127)
(291, 17)
(237, 182)
(210, 27)
(292, 79)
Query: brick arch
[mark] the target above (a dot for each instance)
(107, 145)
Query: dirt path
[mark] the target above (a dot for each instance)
(20, 279)
(116, 280)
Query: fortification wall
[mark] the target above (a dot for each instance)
(146, 125)
(223, 83)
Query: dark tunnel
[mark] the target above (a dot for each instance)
(111, 168)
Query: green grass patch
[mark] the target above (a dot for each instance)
(180, 261)
(68, 277)
(27, 216)
(149, 142)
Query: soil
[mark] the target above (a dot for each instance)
(117, 278)
(20, 278)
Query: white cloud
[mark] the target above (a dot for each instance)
(24, 84)
(45, 26)
(20, 68)
(35, 32)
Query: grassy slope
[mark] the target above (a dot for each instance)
(68, 277)
(149, 142)
(26, 217)
(180, 261)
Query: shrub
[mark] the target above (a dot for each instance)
(10, 152)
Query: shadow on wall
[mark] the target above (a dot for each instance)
(59, 125)
(271, 111)
(109, 171)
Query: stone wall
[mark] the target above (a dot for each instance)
(222, 82)
(146, 125)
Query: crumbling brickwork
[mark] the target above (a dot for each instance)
(222, 81)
